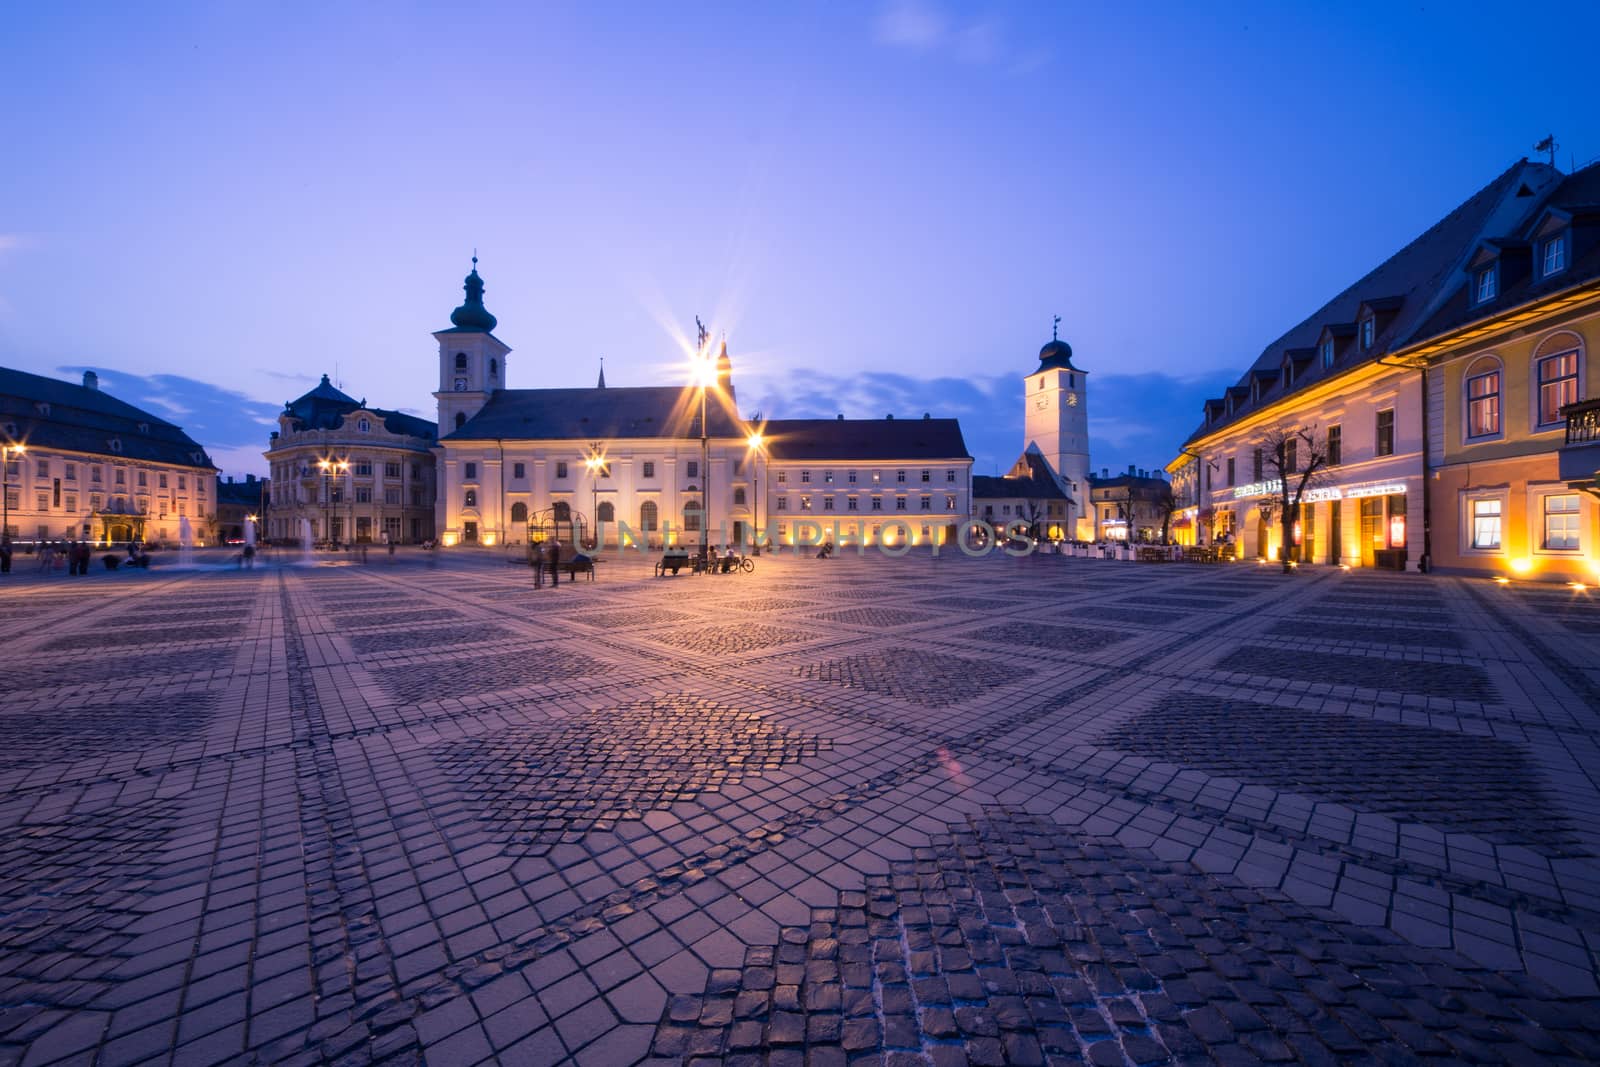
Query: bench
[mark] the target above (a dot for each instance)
(672, 561)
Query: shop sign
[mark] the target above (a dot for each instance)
(1376, 490)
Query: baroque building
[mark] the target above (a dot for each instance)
(348, 472)
(82, 465)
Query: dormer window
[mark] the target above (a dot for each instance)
(1327, 352)
(116, 445)
(1369, 330)
(1554, 259)
(1486, 285)
(364, 425)
(43, 408)
(1288, 373)
(1255, 391)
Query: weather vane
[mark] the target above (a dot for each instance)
(1548, 145)
(703, 331)
(1054, 326)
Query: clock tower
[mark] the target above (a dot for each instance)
(472, 361)
(1056, 418)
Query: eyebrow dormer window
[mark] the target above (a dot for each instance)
(1327, 352)
(1486, 286)
(1555, 255)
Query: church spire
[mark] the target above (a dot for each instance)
(602, 384)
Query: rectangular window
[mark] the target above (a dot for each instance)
(1256, 467)
(877, 503)
(363, 468)
(96, 501)
(877, 476)
(1230, 471)
(649, 468)
(72, 473)
(852, 504)
(783, 477)
(900, 476)
(469, 471)
(363, 494)
(14, 499)
(72, 501)
(144, 477)
(852, 477)
(161, 481)
(1385, 441)
(950, 477)
(805, 503)
(925, 476)
(1485, 287)
(899, 503)
(783, 503)
(949, 503)
(1483, 404)
(805, 477)
(183, 507)
(1558, 385)
(392, 497)
(927, 503)
(183, 482)
(43, 468)
(827, 477)
(43, 500)
(200, 486)
(561, 468)
(827, 503)
(519, 471)
(1368, 329)
(1486, 524)
(94, 473)
(1327, 352)
(1560, 523)
(1291, 449)
(1555, 255)
(416, 470)
(392, 470)
(1335, 445)
(692, 468)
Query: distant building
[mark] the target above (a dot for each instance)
(239, 502)
(1135, 506)
(94, 467)
(1030, 493)
(350, 472)
(578, 464)
(866, 481)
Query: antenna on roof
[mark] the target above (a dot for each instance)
(1055, 326)
(1548, 145)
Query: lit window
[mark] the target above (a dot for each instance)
(949, 503)
(1555, 254)
(827, 477)
(1483, 404)
(1558, 385)
(1561, 523)
(805, 503)
(1486, 285)
(1486, 524)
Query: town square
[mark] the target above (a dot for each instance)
(926, 533)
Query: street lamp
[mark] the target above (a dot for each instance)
(705, 373)
(6, 452)
(755, 441)
(595, 463)
(329, 467)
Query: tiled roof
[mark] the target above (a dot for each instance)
(843, 440)
(324, 408)
(1403, 290)
(1029, 479)
(593, 414)
(1578, 195)
(81, 419)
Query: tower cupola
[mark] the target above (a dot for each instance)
(472, 315)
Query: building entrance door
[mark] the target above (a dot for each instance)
(1335, 540)
(1372, 535)
(1261, 536)
(469, 532)
(1308, 533)
(738, 532)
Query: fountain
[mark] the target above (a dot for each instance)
(250, 533)
(185, 542)
(305, 541)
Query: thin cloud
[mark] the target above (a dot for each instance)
(215, 417)
(909, 24)
(920, 26)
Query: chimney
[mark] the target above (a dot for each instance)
(889, 417)
(841, 416)
(91, 380)
(927, 415)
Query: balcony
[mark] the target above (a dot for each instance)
(1580, 453)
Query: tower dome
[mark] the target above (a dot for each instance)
(1056, 354)
(472, 315)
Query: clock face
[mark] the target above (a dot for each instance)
(1072, 400)
(461, 385)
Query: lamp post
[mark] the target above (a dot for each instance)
(595, 464)
(754, 441)
(6, 452)
(329, 467)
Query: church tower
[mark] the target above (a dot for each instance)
(1056, 418)
(472, 361)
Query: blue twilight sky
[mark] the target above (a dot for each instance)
(881, 203)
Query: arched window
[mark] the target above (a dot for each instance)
(562, 511)
(461, 419)
(461, 361)
(738, 496)
(606, 512)
(470, 499)
(519, 512)
(494, 368)
(1482, 387)
(1558, 377)
(691, 515)
(648, 515)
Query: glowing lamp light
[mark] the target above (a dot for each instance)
(448, 540)
(488, 540)
(1521, 565)
(1578, 587)
(1501, 579)
(755, 440)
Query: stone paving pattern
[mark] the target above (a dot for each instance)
(850, 811)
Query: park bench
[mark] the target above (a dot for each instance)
(673, 560)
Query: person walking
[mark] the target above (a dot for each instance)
(5, 555)
(554, 559)
(536, 557)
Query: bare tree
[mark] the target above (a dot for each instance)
(1166, 506)
(1298, 464)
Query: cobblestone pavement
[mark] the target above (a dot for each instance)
(856, 811)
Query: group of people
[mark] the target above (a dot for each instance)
(76, 554)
